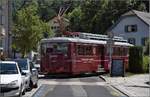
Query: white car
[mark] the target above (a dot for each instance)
(11, 79)
(31, 78)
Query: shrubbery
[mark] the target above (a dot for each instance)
(136, 59)
(146, 60)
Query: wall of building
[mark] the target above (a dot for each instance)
(5, 21)
(142, 29)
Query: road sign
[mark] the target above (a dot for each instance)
(117, 68)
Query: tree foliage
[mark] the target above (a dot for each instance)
(93, 16)
(147, 47)
(28, 29)
(96, 16)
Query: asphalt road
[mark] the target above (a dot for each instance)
(81, 86)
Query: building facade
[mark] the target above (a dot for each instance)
(133, 26)
(5, 22)
(55, 25)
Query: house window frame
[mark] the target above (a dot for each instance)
(143, 41)
(132, 39)
(131, 28)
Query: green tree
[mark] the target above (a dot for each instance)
(147, 52)
(75, 19)
(96, 16)
(28, 29)
(50, 8)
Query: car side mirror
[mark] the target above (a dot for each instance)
(34, 69)
(23, 73)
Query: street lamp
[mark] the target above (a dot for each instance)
(110, 43)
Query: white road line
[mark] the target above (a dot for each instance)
(78, 91)
(75, 82)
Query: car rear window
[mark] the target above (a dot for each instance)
(8, 68)
(22, 64)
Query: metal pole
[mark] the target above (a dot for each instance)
(110, 43)
(110, 56)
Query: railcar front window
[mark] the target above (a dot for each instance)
(57, 48)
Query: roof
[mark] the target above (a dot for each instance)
(143, 16)
(88, 41)
(8, 62)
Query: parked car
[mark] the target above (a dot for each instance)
(37, 64)
(31, 80)
(12, 83)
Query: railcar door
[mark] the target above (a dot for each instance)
(102, 58)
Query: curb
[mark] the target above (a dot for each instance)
(102, 77)
(120, 91)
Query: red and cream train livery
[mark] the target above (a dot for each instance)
(80, 54)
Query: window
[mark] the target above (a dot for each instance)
(80, 50)
(56, 48)
(115, 51)
(131, 28)
(84, 50)
(6, 68)
(23, 64)
(88, 50)
(143, 41)
(1, 43)
(131, 40)
(1, 20)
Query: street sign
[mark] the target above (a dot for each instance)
(117, 68)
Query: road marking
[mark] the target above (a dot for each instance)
(43, 90)
(75, 83)
(78, 91)
(115, 92)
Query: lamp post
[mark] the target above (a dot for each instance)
(110, 43)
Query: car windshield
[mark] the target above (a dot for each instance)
(22, 64)
(6, 68)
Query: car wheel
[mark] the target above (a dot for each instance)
(30, 86)
(20, 93)
(23, 93)
(36, 85)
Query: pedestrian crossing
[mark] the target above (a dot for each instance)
(74, 87)
(75, 81)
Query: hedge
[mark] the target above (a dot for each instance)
(146, 60)
(136, 59)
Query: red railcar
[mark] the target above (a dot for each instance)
(77, 55)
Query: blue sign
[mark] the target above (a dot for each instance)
(117, 67)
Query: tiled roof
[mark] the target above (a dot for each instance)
(144, 16)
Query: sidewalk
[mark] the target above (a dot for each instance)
(133, 86)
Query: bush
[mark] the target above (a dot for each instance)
(146, 60)
(136, 59)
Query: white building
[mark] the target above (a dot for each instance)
(55, 25)
(133, 26)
